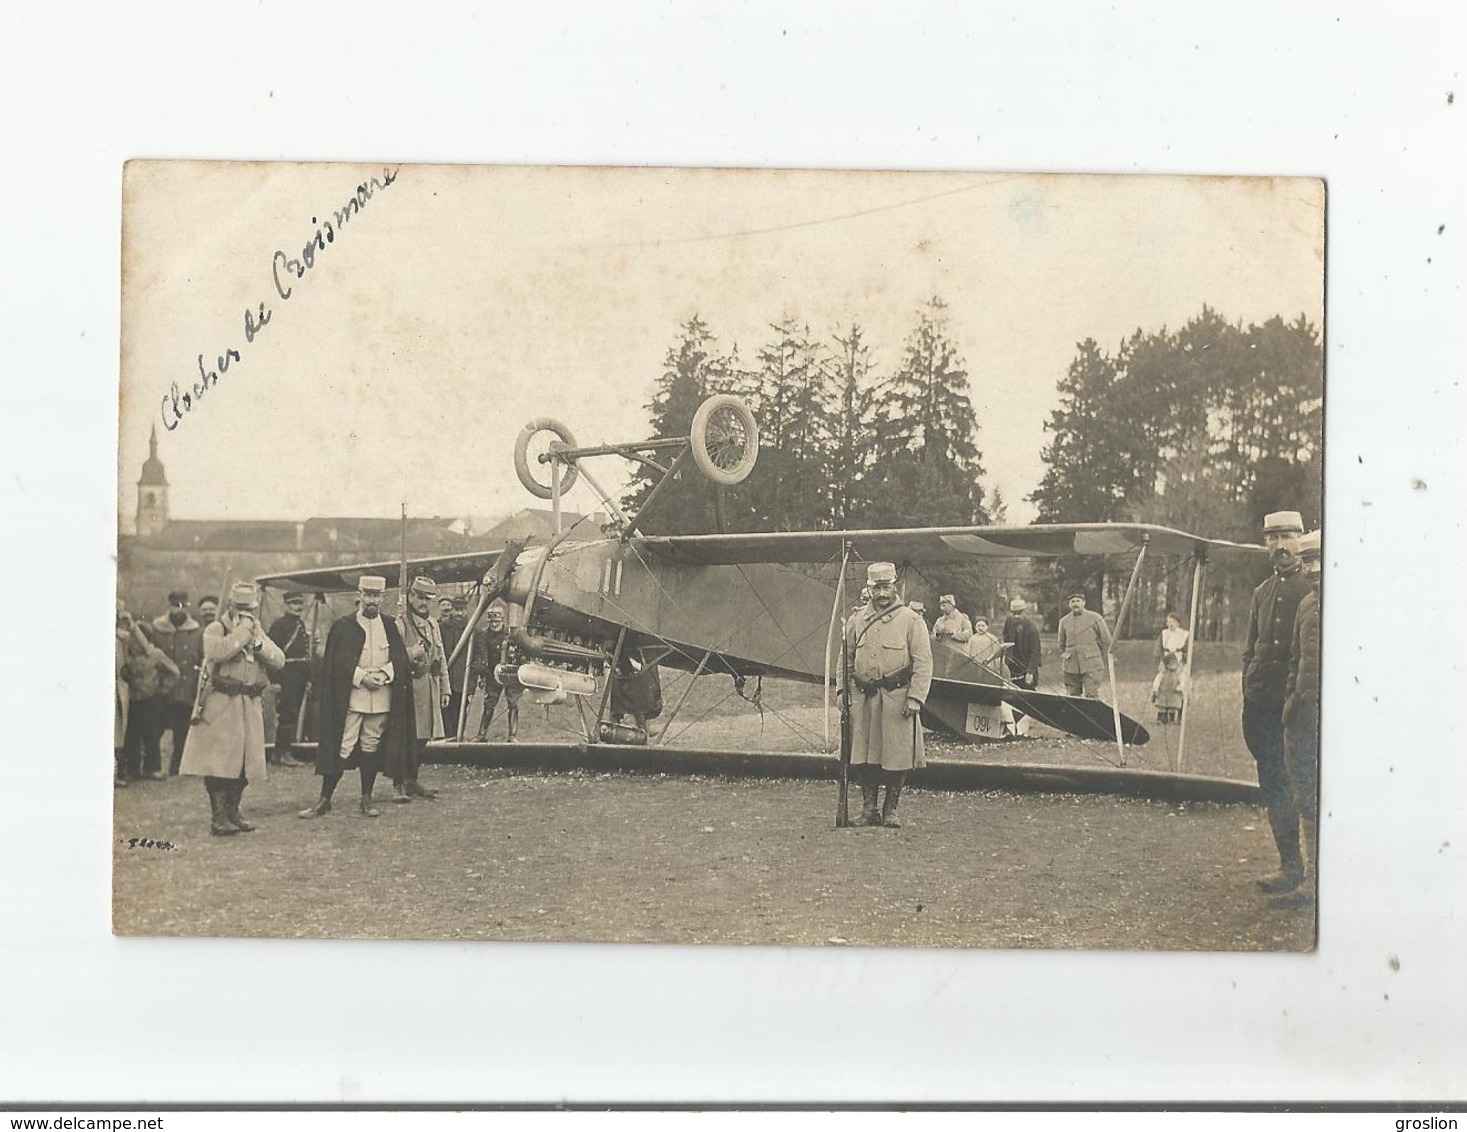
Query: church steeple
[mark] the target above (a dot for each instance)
(152, 514)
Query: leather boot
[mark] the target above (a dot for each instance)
(889, 807)
(232, 795)
(400, 793)
(1303, 896)
(369, 810)
(514, 721)
(870, 797)
(417, 790)
(1291, 870)
(322, 805)
(219, 825)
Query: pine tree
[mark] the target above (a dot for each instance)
(693, 370)
(851, 375)
(1087, 474)
(927, 466)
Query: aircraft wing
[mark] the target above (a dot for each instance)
(935, 544)
(1075, 715)
(469, 567)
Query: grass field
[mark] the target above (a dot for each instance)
(585, 856)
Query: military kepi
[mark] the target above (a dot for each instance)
(244, 596)
(1309, 545)
(880, 572)
(1283, 522)
(1017, 605)
(372, 583)
(425, 586)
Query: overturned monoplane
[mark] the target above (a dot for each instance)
(584, 604)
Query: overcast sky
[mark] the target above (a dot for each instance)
(460, 302)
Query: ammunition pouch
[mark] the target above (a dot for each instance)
(888, 683)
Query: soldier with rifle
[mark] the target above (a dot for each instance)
(887, 678)
(226, 744)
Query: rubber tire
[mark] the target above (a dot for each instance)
(522, 457)
(699, 439)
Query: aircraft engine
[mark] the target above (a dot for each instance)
(543, 678)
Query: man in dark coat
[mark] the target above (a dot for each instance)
(1022, 655)
(1265, 678)
(290, 632)
(1301, 725)
(181, 638)
(365, 698)
(451, 625)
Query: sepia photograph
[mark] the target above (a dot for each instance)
(733, 557)
(829, 558)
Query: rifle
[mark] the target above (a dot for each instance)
(842, 810)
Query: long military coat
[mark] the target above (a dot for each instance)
(879, 645)
(343, 650)
(429, 662)
(1084, 641)
(228, 738)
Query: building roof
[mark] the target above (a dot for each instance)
(354, 536)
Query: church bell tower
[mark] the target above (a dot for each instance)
(152, 514)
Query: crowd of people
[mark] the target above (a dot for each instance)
(233, 696)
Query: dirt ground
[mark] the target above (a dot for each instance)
(586, 856)
(673, 859)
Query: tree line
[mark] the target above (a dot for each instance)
(843, 444)
(1205, 428)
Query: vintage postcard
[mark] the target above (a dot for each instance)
(719, 556)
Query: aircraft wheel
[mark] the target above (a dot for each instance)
(544, 434)
(725, 439)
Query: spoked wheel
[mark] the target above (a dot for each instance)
(540, 436)
(725, 439)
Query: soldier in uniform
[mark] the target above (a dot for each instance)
(1301, 725)
(451, 627)
(1084, 643)
(489, 645)
(289, 631)
(891, 673)
(952, 624)
(429, 666)
(1023, 654)
(226, 744)
(1265, 677)
(365, 698)
(181, 638)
